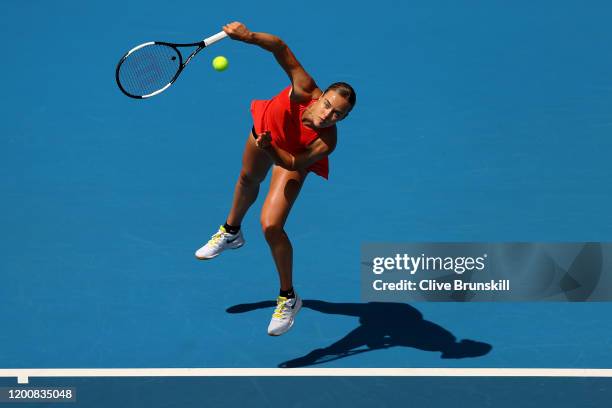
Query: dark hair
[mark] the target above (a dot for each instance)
(344, 90)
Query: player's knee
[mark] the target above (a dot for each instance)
(272, 231)
(248, 179)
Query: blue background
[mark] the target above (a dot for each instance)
(476, 121)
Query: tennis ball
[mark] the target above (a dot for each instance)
(220, 63)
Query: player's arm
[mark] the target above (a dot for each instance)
(302, 83)
(323, 146)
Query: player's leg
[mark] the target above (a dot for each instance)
(285, 187)
(255, 166)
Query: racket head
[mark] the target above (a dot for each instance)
(148, 69)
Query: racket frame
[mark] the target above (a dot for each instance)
(200, 46)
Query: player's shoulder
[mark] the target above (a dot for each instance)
(330, 131)
(301, 95)
(329, 135)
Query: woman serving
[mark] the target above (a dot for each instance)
(294, 133)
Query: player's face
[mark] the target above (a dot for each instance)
(329, 109)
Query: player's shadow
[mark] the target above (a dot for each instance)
(381, 325)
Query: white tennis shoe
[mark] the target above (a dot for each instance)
(218, 243)
(284, 315)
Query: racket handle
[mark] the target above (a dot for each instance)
(214, 38)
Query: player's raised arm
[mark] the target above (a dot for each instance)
(303, 84)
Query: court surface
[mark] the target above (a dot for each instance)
(476, 121)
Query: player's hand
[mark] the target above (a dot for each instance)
(264, 140)
(238, 31)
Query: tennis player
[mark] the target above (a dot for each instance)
(293, 133)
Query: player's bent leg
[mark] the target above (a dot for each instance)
(284, 190)
(255, 166)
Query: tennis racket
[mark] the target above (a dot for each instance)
(150, 68)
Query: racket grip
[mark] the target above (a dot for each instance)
(214, 38)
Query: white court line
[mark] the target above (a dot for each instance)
(23, 375)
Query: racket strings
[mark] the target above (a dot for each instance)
(149, 69)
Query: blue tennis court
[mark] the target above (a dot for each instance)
(476, 122)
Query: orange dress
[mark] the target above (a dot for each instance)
(283, 119)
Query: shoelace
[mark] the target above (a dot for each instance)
(281, 304)
(214, 240)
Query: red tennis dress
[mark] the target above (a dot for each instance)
(283, 119)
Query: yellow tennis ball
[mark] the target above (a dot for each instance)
(220, 63)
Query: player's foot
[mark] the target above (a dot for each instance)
(219, 242)
(284, 315)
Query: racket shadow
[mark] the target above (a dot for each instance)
(381, 325)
